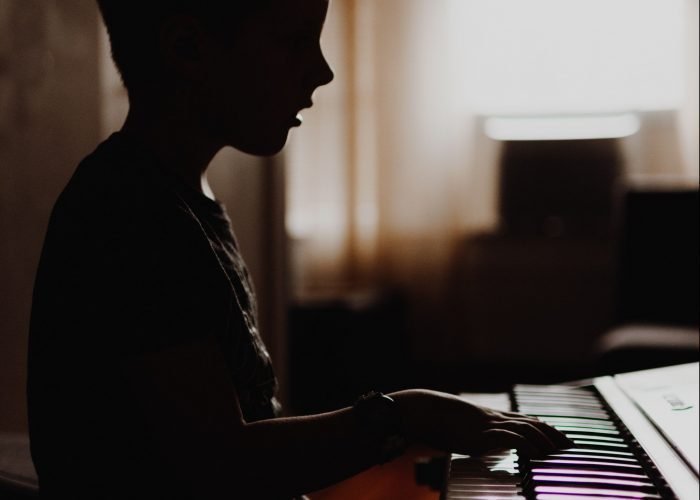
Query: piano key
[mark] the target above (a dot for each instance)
(555, 399)
(494, 467)
(519, 393)
(599, 444)
(591, 405)
(467, 496)
(550, 496)
(564, 412)
(592, 464)
(481, 469)
(602, 456)
(588, 402)
(589, 451)
(485, 488)
(493, 480)
(592, 437)
(468, 481)
(572, 490)
(645, 486)
(553, 389)
(583, 410)
(486, 463)
(591, 430)
(486, 460)
(587, 473)
(596, 424)
(526, 407)
(485, 491)
(474, 472)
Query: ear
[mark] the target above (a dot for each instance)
(182, 45)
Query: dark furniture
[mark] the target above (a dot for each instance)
(657, 286)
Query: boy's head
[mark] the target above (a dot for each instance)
(244, 68)
(134, 28)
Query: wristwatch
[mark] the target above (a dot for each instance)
(379, 417)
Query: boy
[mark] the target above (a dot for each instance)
(147, 376)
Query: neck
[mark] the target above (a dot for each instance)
(176, 138)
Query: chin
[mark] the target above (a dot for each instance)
(270, 146)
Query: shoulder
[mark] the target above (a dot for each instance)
(118, 212)
(118, 184)
(118, 196)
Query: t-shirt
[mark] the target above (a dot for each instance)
(134, 261)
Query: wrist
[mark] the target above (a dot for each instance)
(411, 405)
(379, 418)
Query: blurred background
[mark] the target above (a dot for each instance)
(491, 191)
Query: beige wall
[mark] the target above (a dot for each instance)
(48, 122)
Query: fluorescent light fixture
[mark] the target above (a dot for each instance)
(553, 128)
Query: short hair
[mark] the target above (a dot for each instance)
(134, 25)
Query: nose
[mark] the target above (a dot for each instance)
(325, 73)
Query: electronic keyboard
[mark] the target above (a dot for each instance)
(635, 437)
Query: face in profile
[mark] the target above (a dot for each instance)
(257, 85)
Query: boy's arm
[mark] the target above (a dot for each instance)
(190, 403)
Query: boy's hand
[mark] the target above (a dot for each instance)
(448, 423)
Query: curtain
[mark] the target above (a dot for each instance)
(379, 174)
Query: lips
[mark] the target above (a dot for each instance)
(298, 119)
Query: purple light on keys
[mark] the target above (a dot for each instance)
(611, 482)
(575, 472)
(571, 490)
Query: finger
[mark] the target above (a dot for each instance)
(530, 432)
(557, 437)
(512, 414)
(496, 439)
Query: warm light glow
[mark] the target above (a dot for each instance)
(577, 56)
(562, 127)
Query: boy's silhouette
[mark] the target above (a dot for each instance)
(147, 376)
